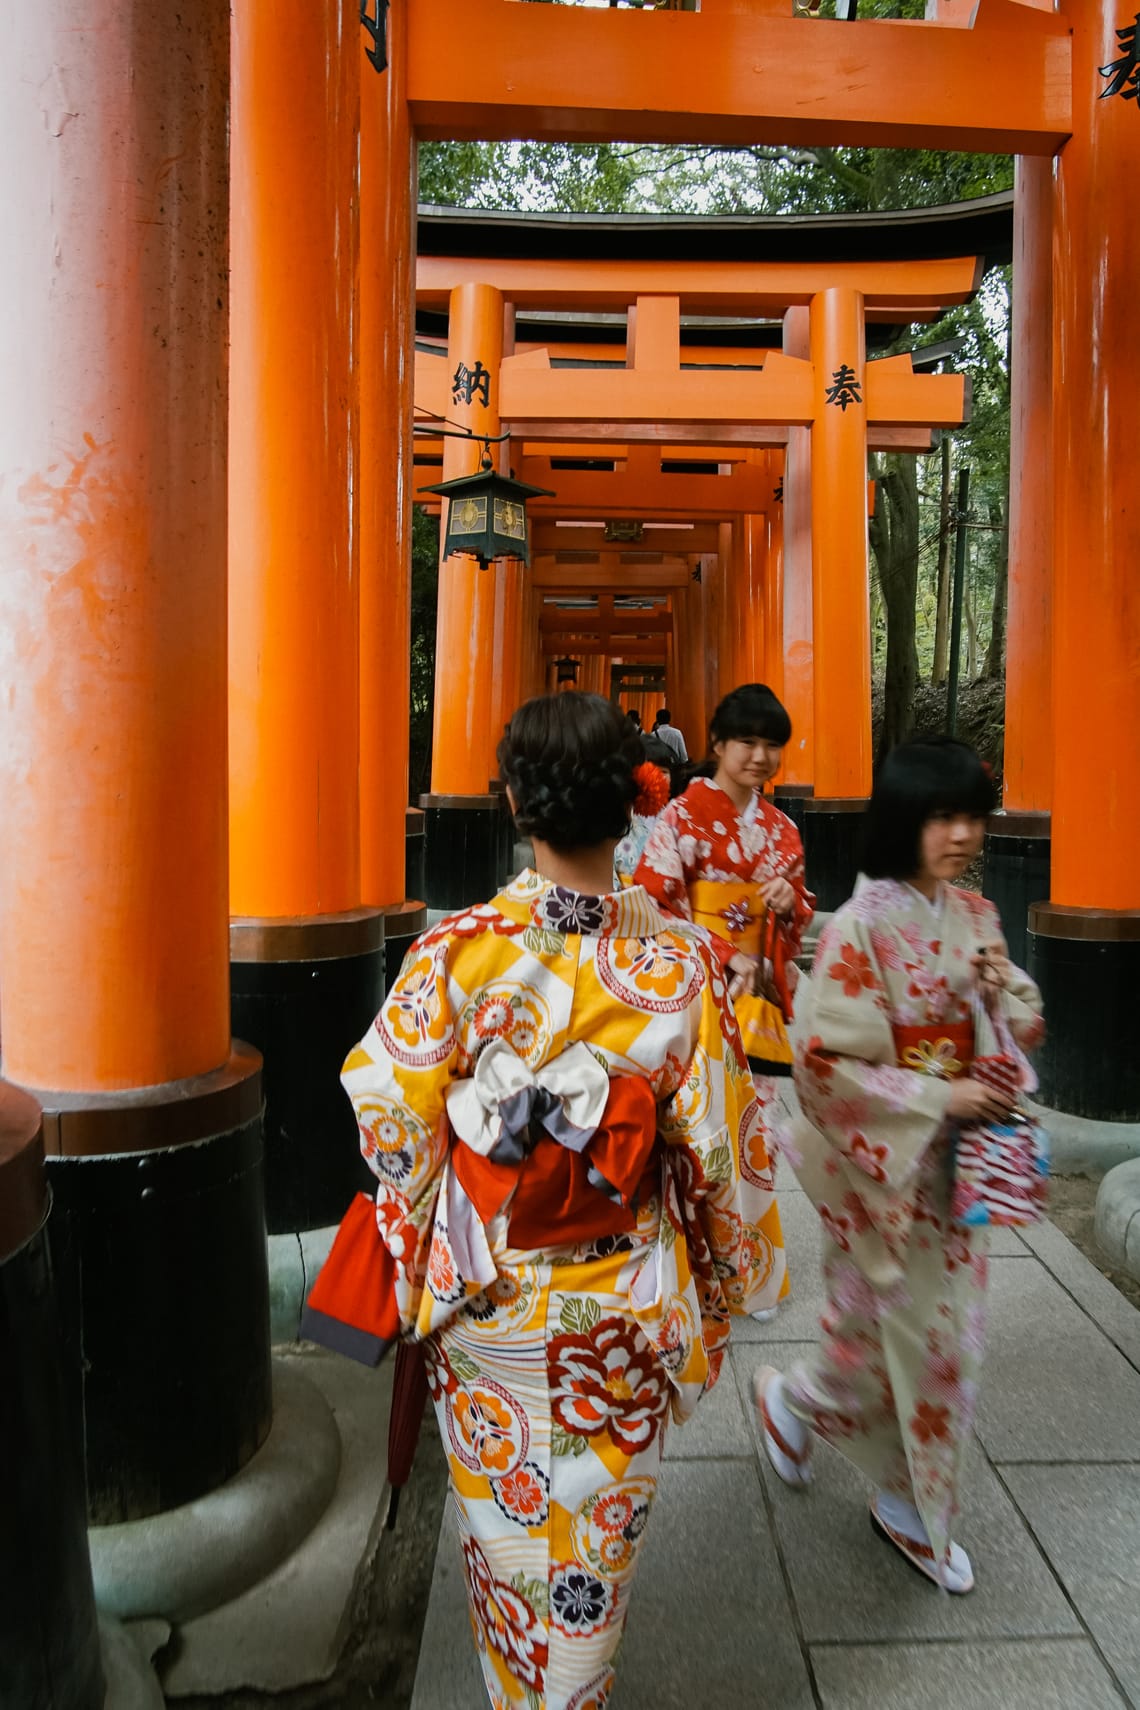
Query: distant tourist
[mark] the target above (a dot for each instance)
(911, 985)
(664, 727)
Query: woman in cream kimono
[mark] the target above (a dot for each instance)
(554, 1102)
(910, 982)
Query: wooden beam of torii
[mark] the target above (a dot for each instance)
(633, 492)
(679, 441)
(893, 290)
(549, 537)
(656, 391)
(610, 572)
(603, 627)
(734, 76)
(647, 649)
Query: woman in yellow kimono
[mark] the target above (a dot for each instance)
(557, 1117)
(723, 857)
(911, 981)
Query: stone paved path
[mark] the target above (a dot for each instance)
(751, 1595)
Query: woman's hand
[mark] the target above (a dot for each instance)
(972, 1101)
(778, 896)
(741, 974)
(993, 967)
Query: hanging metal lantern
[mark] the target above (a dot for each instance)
(567, 670)
(486, 515)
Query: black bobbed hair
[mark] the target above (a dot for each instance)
(568, 760)
(918, 780)
(751, 710)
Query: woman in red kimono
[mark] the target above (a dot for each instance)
(722, 856)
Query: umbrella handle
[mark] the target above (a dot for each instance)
(409, 1399)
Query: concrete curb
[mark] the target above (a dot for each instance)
(1117, 1224)
(131, 1682)
(180, 1564)
(1081, 1146)
(294, 1265)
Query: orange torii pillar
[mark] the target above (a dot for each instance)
(391, 862)
(728, 572)
(1017, 842)
(1084, 943)
(798, 771)
(772, 671)
(463, 818)
(509, 574)
(841, 623)
(113, 913)
(712, 587)
(307, 956)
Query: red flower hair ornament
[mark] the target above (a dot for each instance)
(652, 789)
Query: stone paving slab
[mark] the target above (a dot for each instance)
(718, 1430)
(1054, 1388)
(709, 1620)
(849, 1585)
(1057, 1674)
(1087, 1519)
(1093, 1293)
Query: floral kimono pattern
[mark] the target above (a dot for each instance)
(705, 861)
(555, 1369)
(886, 1023)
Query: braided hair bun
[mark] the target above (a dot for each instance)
(568, 761)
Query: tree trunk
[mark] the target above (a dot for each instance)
(941, 666)
(894, 542)
(971, 635)
(995, 652)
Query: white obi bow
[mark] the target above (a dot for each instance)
(498, 1109)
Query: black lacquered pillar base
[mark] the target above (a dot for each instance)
(305, 991)
(1087, 964)
(402, 926)
(1016, 872)
(506, 832)
(414, 853)
(832, 831)
(49, 1640)
(790, 799)
(158, 1233)
(463, 858)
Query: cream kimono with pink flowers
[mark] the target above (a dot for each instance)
(555, 1370)
(895, 1380)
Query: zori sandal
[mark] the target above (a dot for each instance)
(955, 1575)
(786, 1439)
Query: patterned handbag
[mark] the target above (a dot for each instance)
(1001, 1169)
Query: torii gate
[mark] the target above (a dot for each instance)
(830, 391)
(171, 236)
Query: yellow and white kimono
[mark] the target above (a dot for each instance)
(885, 1024)
(555, 1368)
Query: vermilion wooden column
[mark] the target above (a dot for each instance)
(385, 352)
(773, 590)
(1017, 842)
(294, 611)
(799, 675)
(1085, 942)
(753, 634)
(463, 819)
(385, 347)
(840, 594)
(307, 955)
(465, 628)
(113, 916)
(727, 610)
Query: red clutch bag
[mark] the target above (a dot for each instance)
(352, 1305)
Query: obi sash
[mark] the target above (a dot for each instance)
(558, 1195)
(944, 1049)
(732, 908)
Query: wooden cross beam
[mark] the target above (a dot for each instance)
(739, 75)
